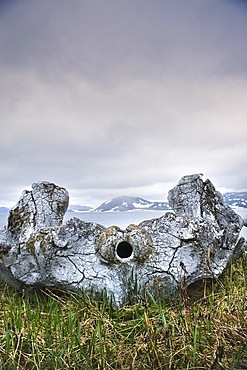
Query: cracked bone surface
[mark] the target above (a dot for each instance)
(195, 241)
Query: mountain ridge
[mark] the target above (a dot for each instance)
(78, 208)
(127, 203)
(234, 199)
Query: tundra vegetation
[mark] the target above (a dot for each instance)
(53, 329)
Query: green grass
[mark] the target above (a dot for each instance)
(58, 330)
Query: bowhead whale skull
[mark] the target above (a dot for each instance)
(194, 241)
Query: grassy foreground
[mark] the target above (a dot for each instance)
(65, 331)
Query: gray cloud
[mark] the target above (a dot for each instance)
(121, 97)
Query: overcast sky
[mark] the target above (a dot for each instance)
(122, 97)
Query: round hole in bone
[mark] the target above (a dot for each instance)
(124, 250)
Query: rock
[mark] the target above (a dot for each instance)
(43, 206)
(194, 242)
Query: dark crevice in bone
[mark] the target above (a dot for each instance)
(124, 250)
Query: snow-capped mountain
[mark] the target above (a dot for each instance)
(125, 203)
(236, 199)
(77, 208)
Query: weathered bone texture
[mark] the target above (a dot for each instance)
(195, 241)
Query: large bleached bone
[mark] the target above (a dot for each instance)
(195, 241)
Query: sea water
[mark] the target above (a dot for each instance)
(121, 219)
